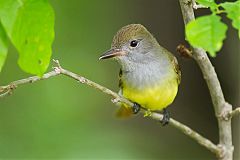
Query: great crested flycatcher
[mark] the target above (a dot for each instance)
(149, 74)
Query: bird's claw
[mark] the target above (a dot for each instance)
(136, 108)
(147, 113)
(166, 117)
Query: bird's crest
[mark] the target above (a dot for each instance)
(129, 32)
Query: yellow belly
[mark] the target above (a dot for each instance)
(155, 97)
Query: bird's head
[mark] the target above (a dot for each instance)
(132, 43)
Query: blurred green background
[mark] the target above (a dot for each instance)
(61, 119)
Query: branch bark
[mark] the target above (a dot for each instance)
(117, 98)
(235, 112)
(221, 107)
(197, 6)
(7, 90)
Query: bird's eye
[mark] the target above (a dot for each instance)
(134, 43)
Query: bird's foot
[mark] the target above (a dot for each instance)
(136, 108)
(147, 113)
(166, 117)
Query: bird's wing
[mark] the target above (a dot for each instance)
(120, 85)
(124, 111)
(174, 62)
(176, 68)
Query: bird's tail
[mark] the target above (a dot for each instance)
(124, 111)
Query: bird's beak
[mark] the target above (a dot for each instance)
(112, 53)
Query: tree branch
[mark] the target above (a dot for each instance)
(221, 107)
(191, 133)
(235, 112)
(117, 98)
(7, 90)
(197, 6)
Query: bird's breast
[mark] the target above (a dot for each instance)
(153, 97)
(152, 90)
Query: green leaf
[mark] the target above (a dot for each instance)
(33, 34)
(233, 13)
(8, 13)
(3, 46)
(207, 32)
(30, 27)
(208, 3)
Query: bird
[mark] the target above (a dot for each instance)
(149, 75)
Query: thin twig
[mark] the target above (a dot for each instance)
(117, 98)
(184, 51)
(6, 93)
(235, 112)
(197, 6)
(221, 107)
(191, 133)
(15, 84)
